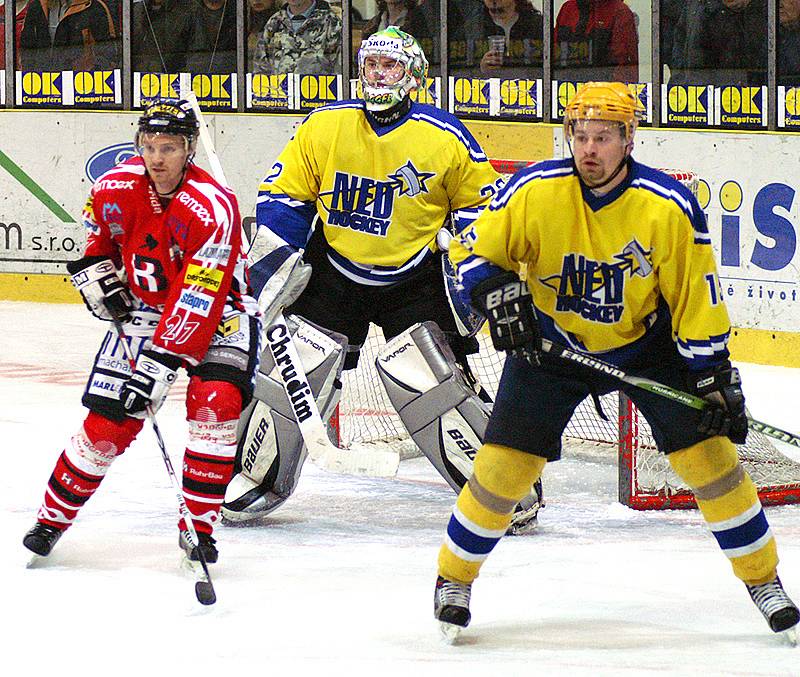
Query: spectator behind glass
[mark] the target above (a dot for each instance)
(404, 14)
(304, 36)
(520, 26)
(258, 11)
(74, 35)
(214, 46)
(596, 40)
(721, 42)
(21, 7)
(789, 43)
(162, 35)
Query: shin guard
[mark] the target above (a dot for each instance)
(83, 465)
(483, 511)
(729, 502)
(212, 410)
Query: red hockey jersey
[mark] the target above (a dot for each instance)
(185, 260)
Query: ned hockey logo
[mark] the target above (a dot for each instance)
(595, 289)
(366, 204)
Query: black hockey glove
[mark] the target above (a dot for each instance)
(101, 287)
(722, 386)
(505, 301)
(149, 383)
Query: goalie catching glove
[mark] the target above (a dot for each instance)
(727, 416)
(102, 289)
(505, 301)
(149, 384)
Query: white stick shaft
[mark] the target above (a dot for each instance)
(205, 140)
(375, 462)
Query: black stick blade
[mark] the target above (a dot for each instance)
(205, 592)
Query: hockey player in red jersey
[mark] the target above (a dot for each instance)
(164, 256)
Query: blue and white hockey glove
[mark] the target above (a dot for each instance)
(102, 289)
(722, 387)
(505, 301)
(149, 384)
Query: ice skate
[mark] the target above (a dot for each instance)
(451, 608)
(41, 539)
(773, 602)
(207, 545)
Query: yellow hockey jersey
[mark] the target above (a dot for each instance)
(606, 273)
(381, 193)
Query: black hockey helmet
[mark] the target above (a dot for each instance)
(169, 117)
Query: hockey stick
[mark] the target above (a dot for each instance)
(657, 388)
(204, 588)
(374, 463)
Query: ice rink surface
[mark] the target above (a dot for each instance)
(340, 579)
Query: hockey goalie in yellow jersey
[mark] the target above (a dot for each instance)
(352, 221)
(609, 258)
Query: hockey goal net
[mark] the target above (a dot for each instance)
(646, 480)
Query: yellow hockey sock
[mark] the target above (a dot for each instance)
(501, 478)
(729, 502)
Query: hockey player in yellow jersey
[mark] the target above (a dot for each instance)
(618, 260)
(385, 181)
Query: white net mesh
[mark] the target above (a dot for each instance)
(646, 479)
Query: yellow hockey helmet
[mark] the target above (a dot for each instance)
(612, 101)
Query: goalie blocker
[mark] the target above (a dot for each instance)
(443, 415)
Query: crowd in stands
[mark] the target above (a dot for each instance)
(702, 41)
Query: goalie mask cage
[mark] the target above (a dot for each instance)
(646, 481)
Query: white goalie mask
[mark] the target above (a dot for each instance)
(383, 84)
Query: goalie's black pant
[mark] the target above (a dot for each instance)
(336, 302)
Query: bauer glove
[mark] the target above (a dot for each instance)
(101, 287)
(149, 383)
(722, 387)
(505, 301)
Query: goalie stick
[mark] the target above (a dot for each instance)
(657, 388)
(373, 463)
(203, 588)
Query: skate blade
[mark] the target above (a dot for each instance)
(449, 632)
(790, 636)
(34, 562)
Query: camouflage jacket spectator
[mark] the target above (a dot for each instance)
(314, 49)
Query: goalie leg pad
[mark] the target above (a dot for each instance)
(270, 452)
(443, 415)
